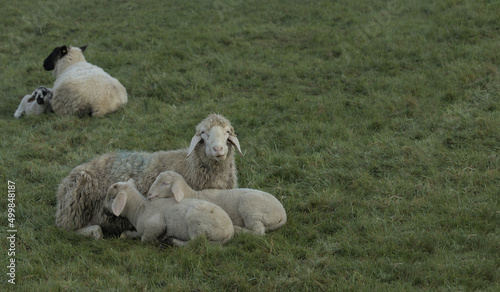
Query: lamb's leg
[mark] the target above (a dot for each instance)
(93, 231)
(130, 235)
(177, 242)
(256, 227)
(238, 229)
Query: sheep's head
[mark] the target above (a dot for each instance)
(218, 136)
(42, 94)
(58, 53)
(116, 197)
(167, 185)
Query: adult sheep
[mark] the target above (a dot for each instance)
(207, 163)
(80, 87)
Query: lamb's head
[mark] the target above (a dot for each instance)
(218, 136)
(42, 94)
(116, 197)
(57, 54)
(168, 184)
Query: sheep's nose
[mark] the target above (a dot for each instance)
(218, 149)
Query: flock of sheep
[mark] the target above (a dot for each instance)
(170, 196)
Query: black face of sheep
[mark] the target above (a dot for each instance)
(50, 62)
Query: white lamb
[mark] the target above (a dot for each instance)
(35, 104)
(250, 210)
(179, 222)
(80, 87)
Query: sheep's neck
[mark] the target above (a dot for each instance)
(189, 192)
(135, 207)
(214, 171)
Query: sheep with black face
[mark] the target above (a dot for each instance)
(80, 87)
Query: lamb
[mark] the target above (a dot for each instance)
(80, 87)
(250, 210)
(28, 106)
(207, 163)
(179, 222)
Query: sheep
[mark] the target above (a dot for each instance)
(80, 87)
(28, 106)
(179, 222)
(250, 210)
(207, 163)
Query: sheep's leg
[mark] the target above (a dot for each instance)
(238, 229)
(256, 227)
(130, 235)
(93, 231)
(177, 242)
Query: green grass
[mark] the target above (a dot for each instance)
(375, 123)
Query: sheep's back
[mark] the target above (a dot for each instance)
(84, 86)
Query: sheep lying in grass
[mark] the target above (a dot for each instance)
(208, 163)
(250, 210)
(35, 104)
(82, 88)
(179, 222)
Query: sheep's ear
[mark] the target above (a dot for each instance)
(31, 99)
(196, 139)
(119, 203)
(232, 138)
(178, 192)
(132, 182)
(83, 48)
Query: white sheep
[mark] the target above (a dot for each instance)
(250, 210)
(80, 87)
(208, 163)
(179, 222)
(35, 104)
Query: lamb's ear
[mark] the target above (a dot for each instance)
(119, 203)
(132, 182)
(196, 139)
(178, 192)
(84, 48)
(232, 138)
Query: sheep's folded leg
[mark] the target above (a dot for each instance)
(93, 231)
(255, 227)
(178, 242)
(130, 235)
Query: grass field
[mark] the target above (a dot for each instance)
(375, 123)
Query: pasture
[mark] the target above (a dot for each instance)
(375, 123)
